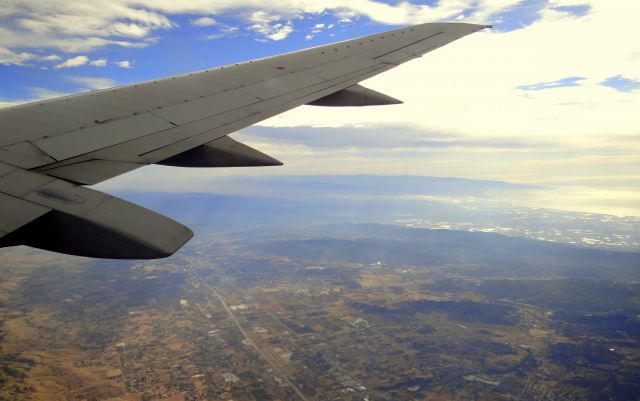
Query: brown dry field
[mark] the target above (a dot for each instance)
(55, 376)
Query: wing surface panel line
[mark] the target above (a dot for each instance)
(340, 84)
(273, 111)
(410, 44)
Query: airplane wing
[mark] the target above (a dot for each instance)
(50, 149)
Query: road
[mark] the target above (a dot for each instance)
(268, 358)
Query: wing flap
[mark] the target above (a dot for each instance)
(15, 213)
(91, 172)
(25, 155)
(109, 133)
(17, 182)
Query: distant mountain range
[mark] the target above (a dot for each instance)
(239, 203)
(475, 254)
(323, 185)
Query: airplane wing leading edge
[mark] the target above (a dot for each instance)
(50, 149)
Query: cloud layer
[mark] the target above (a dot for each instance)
(483, 85)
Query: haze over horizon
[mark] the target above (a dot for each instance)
(548, 97)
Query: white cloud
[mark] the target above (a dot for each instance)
(223, 31)
(77, 26)
(35, 94)
(564, 3)
(213, 36)
(317, 28)
(51, 57)
(470, 86)
(73, 62)
(92, 83)
(85, 26)
(470, 90)
(489, 8)
(101, 62)
(270, 26)
(22, 39)
(123, 63)
(38, 93)
(278, 32)
(101, 19)
(9, 57)
(203, 21)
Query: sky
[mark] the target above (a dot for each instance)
(550, 96)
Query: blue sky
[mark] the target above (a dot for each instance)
(186, 40)
(549, 96)
(176, 50)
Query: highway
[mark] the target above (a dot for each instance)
(265, 355)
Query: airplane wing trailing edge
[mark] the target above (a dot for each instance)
(49, 150)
